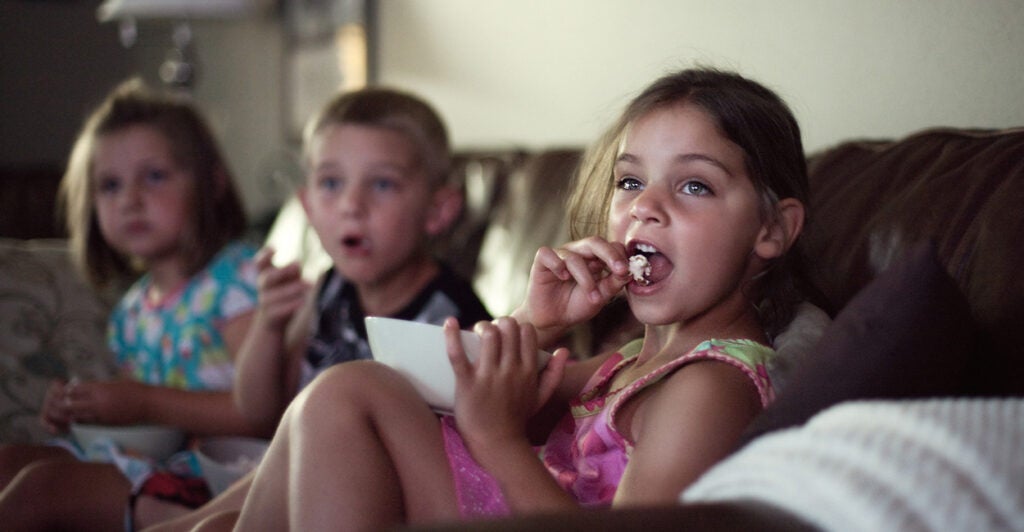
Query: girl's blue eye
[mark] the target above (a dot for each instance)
(156, 175)
(628, 183)
(696, 188)
(108, 185)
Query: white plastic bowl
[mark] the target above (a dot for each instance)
(418, 351)
(155, 441)
(226, 459)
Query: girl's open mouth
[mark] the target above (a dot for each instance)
(647, 265)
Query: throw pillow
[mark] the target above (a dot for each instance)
(907, 334)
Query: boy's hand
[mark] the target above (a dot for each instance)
(498, 393)
(571, 284)
(54, 414)
(120, 402)
(282, 291)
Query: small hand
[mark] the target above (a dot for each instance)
(118, 402)
(282, 291)
(54, 414)
(571, 284)
(497, 394)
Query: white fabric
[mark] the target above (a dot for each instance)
(928, 465)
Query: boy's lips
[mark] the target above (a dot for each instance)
(355, 244)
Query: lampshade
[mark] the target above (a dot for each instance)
(182, 9)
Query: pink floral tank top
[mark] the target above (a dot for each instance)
(587, 454)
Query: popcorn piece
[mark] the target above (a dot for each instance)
(640, 269)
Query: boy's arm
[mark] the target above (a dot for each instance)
(267, 364)
(267, 370)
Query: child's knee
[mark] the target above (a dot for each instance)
(15, 458)
(354, 386)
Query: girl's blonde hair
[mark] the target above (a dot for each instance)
(748, 114)
(395, 110)
(219, 216)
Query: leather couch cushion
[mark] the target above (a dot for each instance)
(963, 189)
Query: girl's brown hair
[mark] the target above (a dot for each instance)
(395, 110)
(748, 114)
(218, 214)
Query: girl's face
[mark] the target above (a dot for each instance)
(143, 198)
(369, 199)
(682, 191)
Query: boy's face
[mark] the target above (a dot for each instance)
(368, 197)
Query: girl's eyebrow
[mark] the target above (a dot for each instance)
(681, 158)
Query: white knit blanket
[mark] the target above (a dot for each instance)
(929, 465)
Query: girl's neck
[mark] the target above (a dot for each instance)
(673, 339)
(166, 276)
(389, 296)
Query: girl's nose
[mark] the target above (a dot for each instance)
(131, 195)
(648, 206)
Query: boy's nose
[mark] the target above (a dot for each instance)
(352, 201)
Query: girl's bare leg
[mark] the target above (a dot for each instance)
(13, 458)
(65, 495)
(220, 522)
(228, 502)
(357, 449)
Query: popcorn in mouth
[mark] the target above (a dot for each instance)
(639, 266)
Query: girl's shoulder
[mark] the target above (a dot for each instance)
(748, 356)
(233, 261)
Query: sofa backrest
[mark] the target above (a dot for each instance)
(964, 189)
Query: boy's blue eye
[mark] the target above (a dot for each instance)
(329, 183)
(628, 183)
(384, 184)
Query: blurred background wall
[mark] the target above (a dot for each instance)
(532, 73)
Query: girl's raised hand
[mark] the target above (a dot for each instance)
(497, 394)
(282, 291)
(54, 414)
(571, 284)
(119, 402)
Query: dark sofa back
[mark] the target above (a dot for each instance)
(964, 189)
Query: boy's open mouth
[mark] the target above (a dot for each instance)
(354, 242)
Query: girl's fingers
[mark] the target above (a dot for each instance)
(611, 254)
(549, 259)
(456, 353)
(552, 375)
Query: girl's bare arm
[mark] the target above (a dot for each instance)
(682, 426)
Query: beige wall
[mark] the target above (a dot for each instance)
(542, 72)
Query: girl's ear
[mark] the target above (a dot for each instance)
(778, 235)
(445, 207)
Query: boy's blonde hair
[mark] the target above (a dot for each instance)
(218, 214)
(395, 110)
(751, 116)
